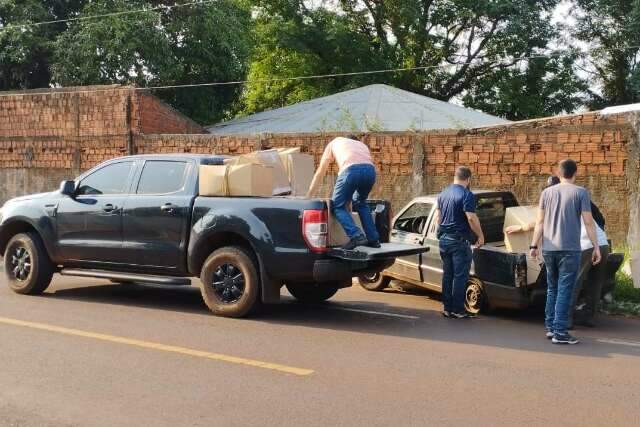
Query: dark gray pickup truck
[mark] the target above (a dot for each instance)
(499, 279)
(140, 219)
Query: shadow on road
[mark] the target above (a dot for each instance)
(508, 330)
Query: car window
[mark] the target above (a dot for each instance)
(414, 219)
(111, 179)
(162, 177)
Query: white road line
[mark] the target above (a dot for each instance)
(618, 342)
(379, 313)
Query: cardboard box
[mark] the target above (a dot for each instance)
(271, 158)
(519, 215)
(519, 242)
(247, 179)
(300, 169)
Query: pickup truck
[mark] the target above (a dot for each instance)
(140, 219)
(499, 279)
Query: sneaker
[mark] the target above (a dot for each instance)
(446, 314)
(564, 339)
(549, 334)
(464, 315)
(373, 244)
(355, 242)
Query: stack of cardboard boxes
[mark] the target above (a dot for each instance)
(260, 173)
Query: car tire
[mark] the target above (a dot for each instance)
(230, 285)
(27, 265)
(312, 292)
(374, 282)
(475, 298)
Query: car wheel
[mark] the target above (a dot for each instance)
(475, 299)
(374, 281)
(27, 265)
(312, 292)
(230, 285)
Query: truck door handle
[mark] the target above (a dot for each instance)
(167, 207)
(109, 207)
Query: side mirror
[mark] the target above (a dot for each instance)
(68, 188)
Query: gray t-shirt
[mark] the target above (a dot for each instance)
(563, 205)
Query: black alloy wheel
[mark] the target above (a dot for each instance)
(228, 283)
(20, 263)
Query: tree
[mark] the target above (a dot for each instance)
(612, 30)
(464, 46)
(187, 45)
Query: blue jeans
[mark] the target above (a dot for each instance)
(562, 273)
(456, 263)
(355, 184)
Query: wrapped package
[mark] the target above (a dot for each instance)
(270, 158)
(300, 169)
(519, 242)
(246, 179)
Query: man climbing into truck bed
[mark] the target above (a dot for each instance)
(356, 178)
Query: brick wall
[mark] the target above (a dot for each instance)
(45, 137)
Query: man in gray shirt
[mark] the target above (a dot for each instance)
(558, 226)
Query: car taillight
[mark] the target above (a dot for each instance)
(314, 229)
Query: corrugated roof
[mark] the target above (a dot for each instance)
(370, 108)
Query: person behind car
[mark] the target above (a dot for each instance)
(356, 178)
(592, 281)
(457, 223)
(558, 227)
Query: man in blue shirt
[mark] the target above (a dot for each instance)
(458, 227)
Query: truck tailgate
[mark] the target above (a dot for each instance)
(385, 252)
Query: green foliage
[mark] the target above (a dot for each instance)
(187, 45)
(611, 27)
(470, 48)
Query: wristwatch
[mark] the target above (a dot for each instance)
(533, 247)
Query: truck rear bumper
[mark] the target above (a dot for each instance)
(339, 270)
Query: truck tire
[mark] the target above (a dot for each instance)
(374, 282)
(230, 284)
(475, 299)
(312, 292)
(27, 265)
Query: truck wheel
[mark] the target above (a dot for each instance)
(374, 281)
(230, 285)
(475, 300)
(312, 292)
(27, 265)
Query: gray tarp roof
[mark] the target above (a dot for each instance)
(370, 108)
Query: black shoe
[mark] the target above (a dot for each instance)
(446, 314)
(373, 244)
(549, 334)
(355, 242)
(564, 339)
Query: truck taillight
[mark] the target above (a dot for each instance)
(314, 229)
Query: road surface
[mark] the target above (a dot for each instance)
(89, 353)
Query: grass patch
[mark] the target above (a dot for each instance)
(626, 298)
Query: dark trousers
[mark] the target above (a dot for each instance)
(585, 267)
(456, 263)
(591, 287)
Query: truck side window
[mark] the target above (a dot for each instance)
(414, 219)
(162, 177)
(111, 179)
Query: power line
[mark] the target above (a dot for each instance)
(106, 15)
(294, 78)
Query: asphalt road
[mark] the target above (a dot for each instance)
(89, 353)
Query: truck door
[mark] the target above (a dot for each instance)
(89, 224)
(409, 228)
(156, 216)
